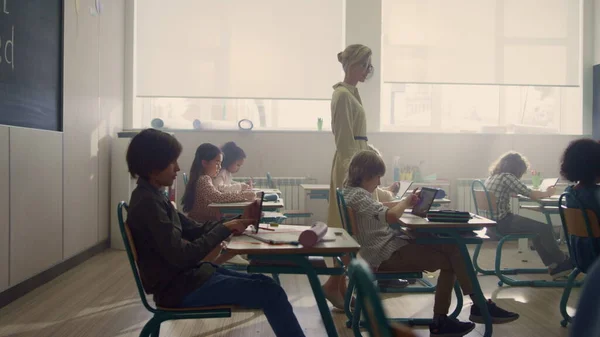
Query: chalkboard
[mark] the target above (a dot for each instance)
(31, 63)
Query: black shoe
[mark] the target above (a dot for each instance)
(397, 284)
(499, 315)
(450, 327)
(562, 269)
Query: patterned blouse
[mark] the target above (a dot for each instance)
(378, 241)
(207, 193)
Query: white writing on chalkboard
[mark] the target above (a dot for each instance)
(7, 45)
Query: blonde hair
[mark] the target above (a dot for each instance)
(510, 162)
(354, 54)
(364, 165)
(374, 149)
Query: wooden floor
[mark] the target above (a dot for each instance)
(99, 298)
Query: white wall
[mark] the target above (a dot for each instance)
(57, 184)
(596, 31)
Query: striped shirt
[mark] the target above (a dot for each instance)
(503, 186)
(378, 241)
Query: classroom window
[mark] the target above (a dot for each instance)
(481, 108)
(481, 66)
(188, 113)
(221, 61)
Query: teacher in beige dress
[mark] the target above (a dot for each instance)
(349, 126)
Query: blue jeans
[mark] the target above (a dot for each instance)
(253, 291)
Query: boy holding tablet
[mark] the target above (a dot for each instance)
(384, 250)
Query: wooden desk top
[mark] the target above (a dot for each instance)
(242, 244)
(238, 205)
(551, 201)
(414, 222)
(315, 187)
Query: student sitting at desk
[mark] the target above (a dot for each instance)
(384, 249)
(200, 191)
(171, 247)
(233, 159)
(504, 181)
(581, 164)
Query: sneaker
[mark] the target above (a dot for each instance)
(562, 269)
(236, 259)
(450, 327)
(499, 315)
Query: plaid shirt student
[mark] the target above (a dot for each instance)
(503, 186)
(378, 241)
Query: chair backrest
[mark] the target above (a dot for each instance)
(132, 253)
(270, 182)
(368, 301)
(483, 200)
(185, 178)
(578, 221)
(346, 215)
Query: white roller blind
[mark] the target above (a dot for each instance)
(238, 48)
(521, 42)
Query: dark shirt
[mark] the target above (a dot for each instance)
(170, 246)
(584, 249)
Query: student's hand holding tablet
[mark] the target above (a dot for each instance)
(550, 191)
(238, 226)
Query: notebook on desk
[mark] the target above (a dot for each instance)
(404, 186)
(547, 183)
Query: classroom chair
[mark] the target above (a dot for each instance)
(484, 201)
(587, 320)
(288, 213)
(349, 223)
(578, 224)
(160, 314)
(368, 300)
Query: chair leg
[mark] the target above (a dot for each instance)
(459, 300)
(276, 278)
(150, 328)
(348, 303)
(356, 318)
(565, 298)
(501, 273)
(476, 263)
(156, 332)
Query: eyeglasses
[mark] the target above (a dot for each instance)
(369, 67)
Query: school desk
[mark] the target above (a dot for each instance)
(294, 259)
(452, 233)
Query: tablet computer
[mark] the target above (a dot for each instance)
(426, 198)
(548, 182)
(404, 186)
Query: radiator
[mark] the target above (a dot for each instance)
(289, 187)
(464, 197)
